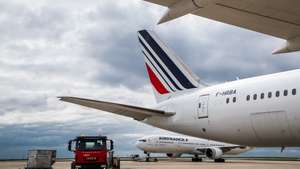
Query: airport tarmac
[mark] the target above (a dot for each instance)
(176, 164)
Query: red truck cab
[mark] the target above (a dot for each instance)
(93, 152)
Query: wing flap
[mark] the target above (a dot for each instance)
(138, 113)
(272, 20)
(163, 2)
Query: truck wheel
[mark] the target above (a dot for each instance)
(73, 166)
(116, 163)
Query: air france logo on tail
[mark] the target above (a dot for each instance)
(156, 82)
(167, 73)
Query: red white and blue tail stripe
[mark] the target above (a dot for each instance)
(167, 73)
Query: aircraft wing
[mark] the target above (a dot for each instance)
(223, 148)
(138, 113)
(228, 148)
(279, 18)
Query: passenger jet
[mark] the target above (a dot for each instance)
(175, 146)
(262, 111)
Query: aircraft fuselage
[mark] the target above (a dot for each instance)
(266, 111)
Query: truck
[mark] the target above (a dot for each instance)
(93, 152)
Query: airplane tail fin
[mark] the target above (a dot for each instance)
(168, 74)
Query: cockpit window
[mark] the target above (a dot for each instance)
(143, 140)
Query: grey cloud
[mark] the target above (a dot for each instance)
(23, 22)
(118, 47)
(17, 139)
(26, 104)
(125, 63)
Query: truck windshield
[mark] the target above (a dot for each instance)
(91, 144)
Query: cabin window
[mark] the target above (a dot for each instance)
(254, 96)
(294, 92)
(277, 94)
(270, 95)
(285, 92)
(234, 99)
(262, 95)
(227, 100)
(248, 97)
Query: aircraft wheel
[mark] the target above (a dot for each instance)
(196, 159)
(220, 160)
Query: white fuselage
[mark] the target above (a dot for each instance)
(183, 145)
(205, 113)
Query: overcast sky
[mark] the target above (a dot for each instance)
(51, 48)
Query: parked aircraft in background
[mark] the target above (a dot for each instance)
(262, 111)
(279, 18)
(175, 146)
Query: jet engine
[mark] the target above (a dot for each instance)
(214, 153)
(173, 155)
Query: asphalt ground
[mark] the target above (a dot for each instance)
(178, 164)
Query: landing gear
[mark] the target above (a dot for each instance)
(148, 156)
(196, 159)
(149, 159)
(220, 160)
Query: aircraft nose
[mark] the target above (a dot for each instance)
(138, 144)
(141, 143)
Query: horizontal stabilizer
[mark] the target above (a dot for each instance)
(138, 113)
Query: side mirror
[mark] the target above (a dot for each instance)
(111, 145)
(70, 145)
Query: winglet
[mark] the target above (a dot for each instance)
(291, 45)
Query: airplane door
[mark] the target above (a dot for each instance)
(202, 109)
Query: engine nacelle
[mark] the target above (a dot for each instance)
(214, 153)
(173, 155)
